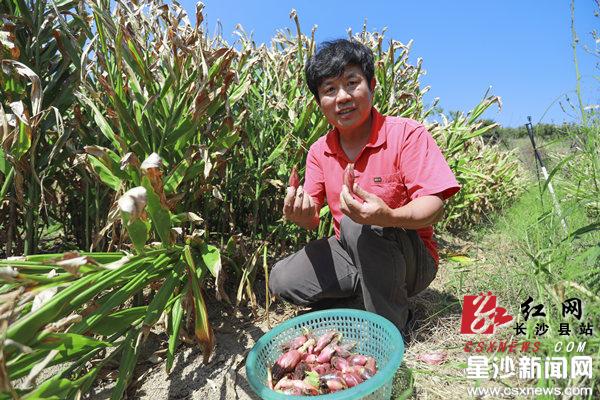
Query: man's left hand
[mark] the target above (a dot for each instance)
(373, 210)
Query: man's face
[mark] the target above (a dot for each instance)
(346, 100)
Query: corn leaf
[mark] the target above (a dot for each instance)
(161, 218)
(175, 178)
(138, 282)
(212, 259)
(131, 351)
(156, 307)
(69, 345)
(73, 296)
(202, 327)
(104, 173)
(174, 327)
(51, 390)
(138, 230)
(119, 321)
(103, 124)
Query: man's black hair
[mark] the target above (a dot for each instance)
(332, 57)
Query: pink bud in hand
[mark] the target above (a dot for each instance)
(349, 177)
(294, 179)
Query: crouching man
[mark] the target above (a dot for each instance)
(383, 243)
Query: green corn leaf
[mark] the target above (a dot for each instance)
(178, 219)
(7, 183)
(175, 178)
(302, 122)
(131, 352)
(138, 232)
(212, 259)
(239, 91)
(132, 286)
(23, 142)
(278, 151)
(181, 134)
(159, 302)
(324, 211)
(184, 140)
(103, 124)
(66, 342)
(161, 217)
(84, 384)
(175, 326)
(227, 140)
(73, 296)
(52, 389)
(119, 321)
(194, 170)
(101, 257)
(69, 345)
(319, 129)
(202, 327)
(104, 173)
(4, 165)
(25, 12)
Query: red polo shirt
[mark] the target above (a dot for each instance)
(400, 162)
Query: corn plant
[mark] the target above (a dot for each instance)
(69, 308)
(40, 45)
(283, 122)
(490, 177)
(158, 84)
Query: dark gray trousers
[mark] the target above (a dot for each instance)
(388, 264)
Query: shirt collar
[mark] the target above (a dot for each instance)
(377, 136)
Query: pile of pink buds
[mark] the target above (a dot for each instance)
(312, 366)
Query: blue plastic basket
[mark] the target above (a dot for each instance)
(373, 334)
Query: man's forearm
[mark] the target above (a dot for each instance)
(419, 213)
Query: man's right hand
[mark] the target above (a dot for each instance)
(300, 208)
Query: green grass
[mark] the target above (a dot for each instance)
(525, 252)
